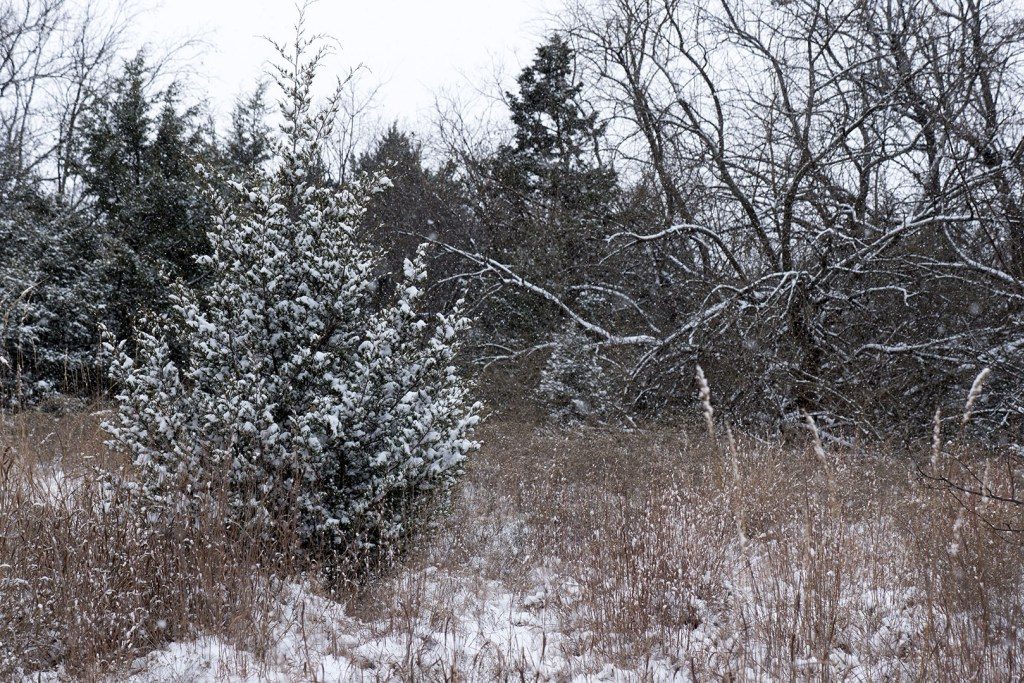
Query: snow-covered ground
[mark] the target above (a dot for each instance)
(445, 626)
(572, 559)
(493, 635)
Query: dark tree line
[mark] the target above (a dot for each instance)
(822, 203)
(106, 200)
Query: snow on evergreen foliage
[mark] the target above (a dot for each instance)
(52, 296)
(288, 375)
(573, 383)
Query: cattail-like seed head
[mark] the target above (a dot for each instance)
(974, 393)
(705, 400)
(736, 486)
(819, 449)
(936, 437)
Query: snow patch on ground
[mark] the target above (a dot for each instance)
(432, 624)
(495, 634)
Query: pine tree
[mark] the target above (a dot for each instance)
(248, 145)
(52, 297)
(552, 131)
(559, 197)
(547, 203)
(420, 203)
(139, 152)
(573, 383)
(310, 398)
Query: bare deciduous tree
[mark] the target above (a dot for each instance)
(840, 188)
(52, 54)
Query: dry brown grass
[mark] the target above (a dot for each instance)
(568, 551)
(87, 582)
(849, 567)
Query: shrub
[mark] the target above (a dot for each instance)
(573, 384)
(290, 377)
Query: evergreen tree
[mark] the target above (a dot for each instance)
(179, 213)
(421, 202)
(249, 145)
(52, 297)
(308, 398)
(558, 197)
(546, 205)
(138, 162)
(573, 383)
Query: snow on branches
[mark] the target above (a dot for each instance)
(288, 379)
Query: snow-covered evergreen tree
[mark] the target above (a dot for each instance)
(288, 376)
(52, 297)
(573, 384)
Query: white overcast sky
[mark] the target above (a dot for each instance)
(413, 48)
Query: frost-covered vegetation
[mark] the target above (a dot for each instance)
(307, 397)
(740, 285)
(584, 554)
(820, 204)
